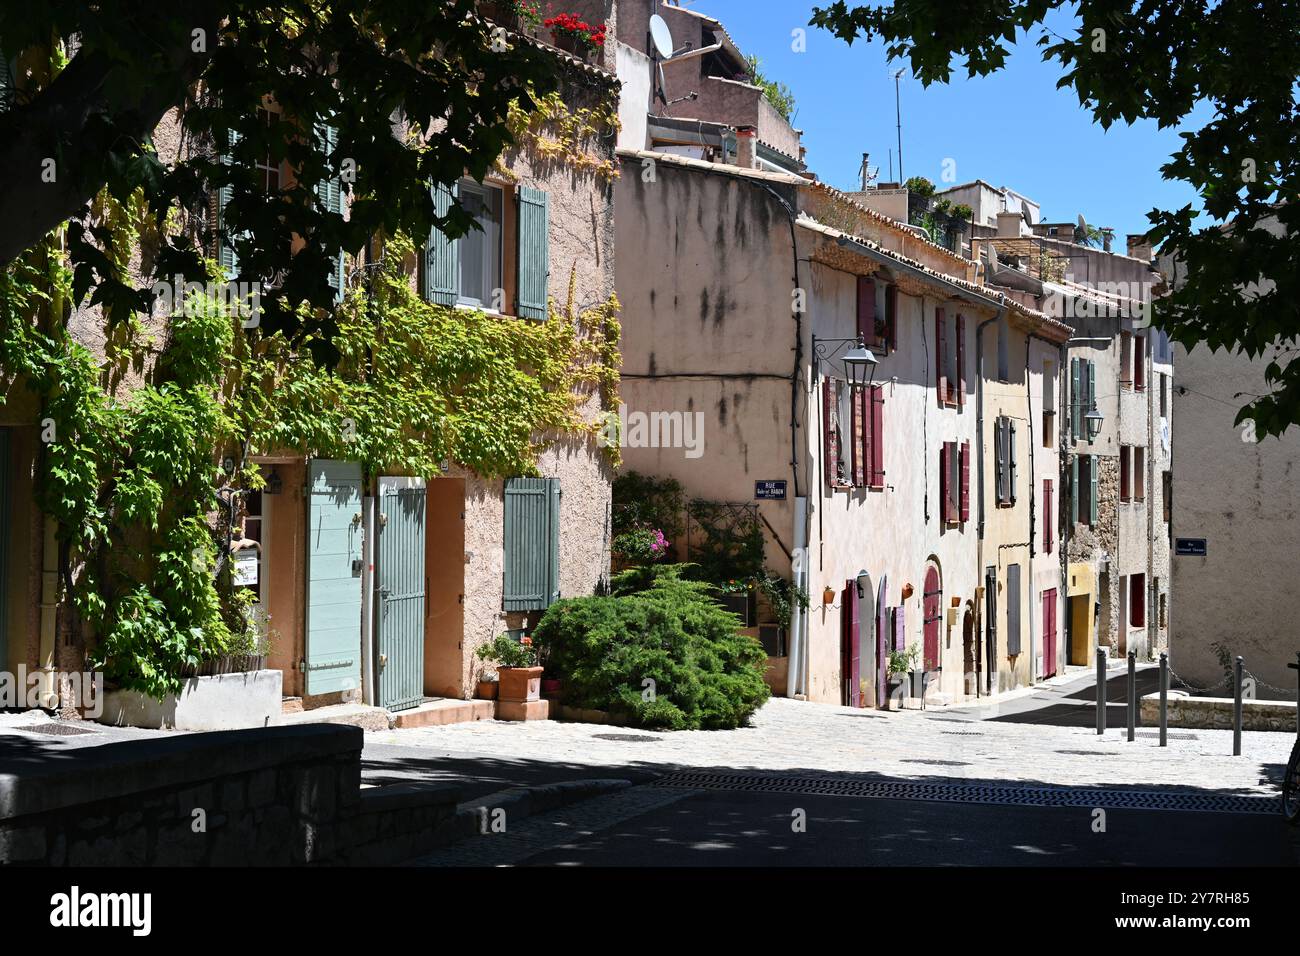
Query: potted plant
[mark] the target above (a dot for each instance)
(737, 597)
(574, 35)
(524, 16)
(639, 546)
(518, 673)
(899, 665)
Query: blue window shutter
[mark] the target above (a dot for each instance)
(226, 257)
(441, 255)
(534, 253)
(329, 193)
(1092, 386)
(531, 543)
(1072, 513)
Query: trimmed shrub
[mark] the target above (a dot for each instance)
(706, 674)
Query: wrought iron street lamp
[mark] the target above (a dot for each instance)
(859, 361)
(1093, 420)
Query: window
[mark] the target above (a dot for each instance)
(954, 481)
(268, 169)
(836, 417)
(1124, 475)
(470, 271)
(531, 543)
(480, 249)
(1164, 394)
(950, 357)
(1049, 403)
(1140, 363)
(1005, 446)
(1083, 489)
(876, 326)
(1139, 470)
(864, 410)
(1167, 494)
(1164, 618)
(1013, 610)
(1126, 359)
(1137, 600)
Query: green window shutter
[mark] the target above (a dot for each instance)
(534, 253)
(531, 543)
(441, 258)
(329, 193)
(1092, 385)
(1076, 399)
(226, 257)
(1092, 492)
(1072, 515)
(1011, 455)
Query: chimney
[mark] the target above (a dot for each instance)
(1139, 247)
(746, 147)
(1009, 225)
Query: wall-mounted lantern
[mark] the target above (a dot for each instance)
(859, 361)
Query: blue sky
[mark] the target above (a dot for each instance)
(1013, 128)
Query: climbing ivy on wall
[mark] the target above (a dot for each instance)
(556, 129)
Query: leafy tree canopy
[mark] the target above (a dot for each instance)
(1159, 60)
(417, 91)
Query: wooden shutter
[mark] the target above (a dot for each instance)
(441, 255)
(1123, 473)
(1073, 511)
(1139, 474)
(867, 310)
(940, 355)
(882, 637)
(961, 360)
(900, 629)
(1000, 446)
(534, 253)
(333, 541)
(1092, 489)
(329, 193)
(1047, 515)
(1076, 399)
(891, 317)
(226, 257)
(830, 434)
(857, 399)
(945, 481)
(1137, 600)
(531, 543)
(1010, 458)
(965, 481)
(1139, 362)
(1092, 387)
(878, 436)
(1013, 610)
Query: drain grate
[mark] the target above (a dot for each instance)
(56, 730)
(939, 763)
(1009, 795)
(963, 733)
(1155, 735)
(628, 738)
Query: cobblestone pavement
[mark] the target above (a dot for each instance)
(949, 744)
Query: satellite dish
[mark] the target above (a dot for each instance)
(1026, 215)
(662, 36)
(1083, 225)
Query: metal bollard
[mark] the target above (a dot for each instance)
(1164, 697)
(1101, 690)
(1132, 693)
(1236, 706)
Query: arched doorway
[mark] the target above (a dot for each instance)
(932, 608)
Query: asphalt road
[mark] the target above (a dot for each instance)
(757, 829)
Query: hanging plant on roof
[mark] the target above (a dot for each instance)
(570, 28)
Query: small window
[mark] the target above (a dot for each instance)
(1164, 394)
(480, 249)
(1137, 600)
(1126, 359)
(1139, 468)
(268, 168)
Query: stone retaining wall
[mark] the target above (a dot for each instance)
(279, 796)
(1215, 713)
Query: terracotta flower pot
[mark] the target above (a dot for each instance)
(486, 690)
(520, 684)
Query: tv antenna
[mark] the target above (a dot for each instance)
(898, 117)
(866, 176)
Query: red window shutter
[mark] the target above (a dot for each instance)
(965, 481)
(867, 309)
(859, 458)
(1123, 473)
(1047, 515)
(961, 359)
(878, 436)
(830, 440)
(941, 348)
(945, 481)
(891, 317)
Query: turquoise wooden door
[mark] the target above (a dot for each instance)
(333, 576)
(400, 592)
